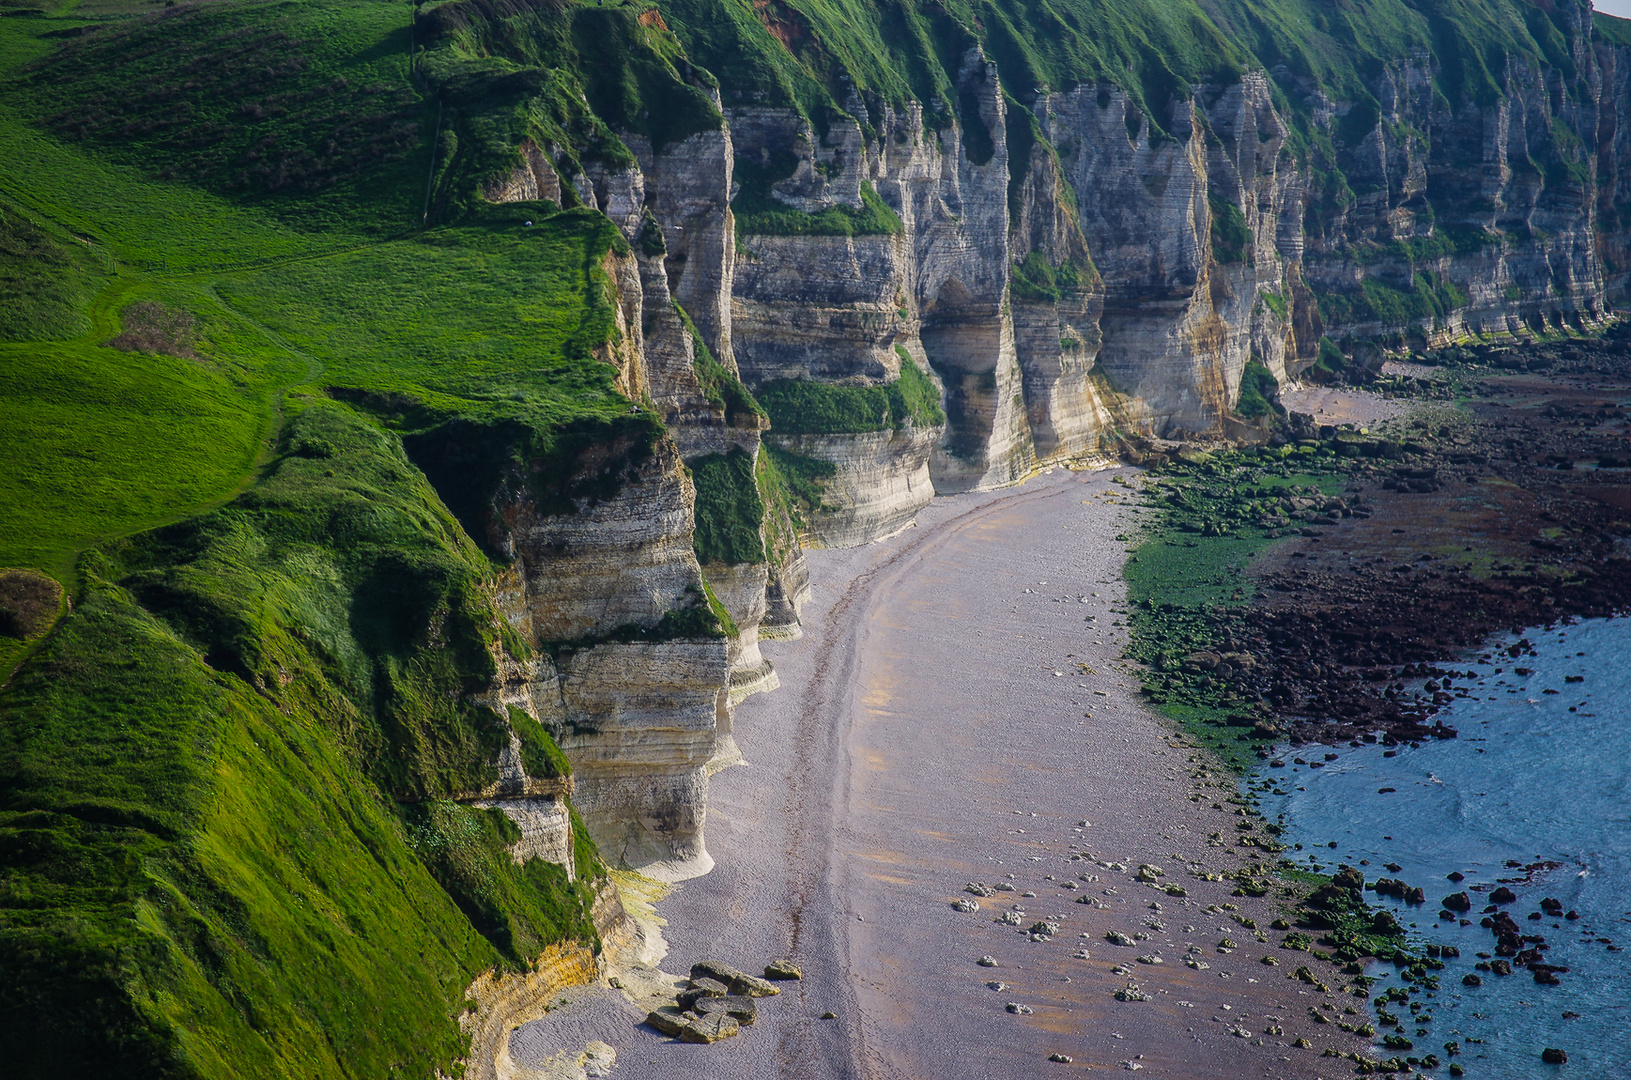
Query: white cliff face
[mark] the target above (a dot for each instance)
(882, 480)
(1115, 276)
(742, 588)
(643, 722)
(820, 307)
(689, 184)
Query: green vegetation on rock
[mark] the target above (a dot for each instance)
(720, 385)
(759, 213)
(808, 407)
(802, 478)
(729, 511)
(1190, 564)
(1035, 279)
(1231, 237)
(1258, 388)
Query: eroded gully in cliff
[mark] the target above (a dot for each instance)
(922, 740)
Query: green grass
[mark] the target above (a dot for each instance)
(101, 443)
(1257, 389)
(1231, 238)
(729, 510)
(1036, 279)
(807, 407)
(802, 479)
(720, 385)
(226, 841)
(229, 850)
(759, 213)
(303, 109)
(45, 284)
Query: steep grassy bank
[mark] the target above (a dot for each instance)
(229, 849)
(230, 836)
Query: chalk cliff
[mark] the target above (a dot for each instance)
(944, 293)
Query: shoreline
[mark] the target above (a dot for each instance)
(919, 728)
(921, 710)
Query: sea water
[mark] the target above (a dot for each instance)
(1539, 777)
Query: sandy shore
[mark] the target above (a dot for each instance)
(934, 727)
(1349, 405)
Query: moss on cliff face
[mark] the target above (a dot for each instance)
(730, 513)
(807, 407)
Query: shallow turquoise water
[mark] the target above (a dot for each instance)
(1527, 781)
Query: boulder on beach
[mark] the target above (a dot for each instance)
(782, 971)
(702, 988)
(710, 1029)
(1503, 895)
(743, 1009)
(735, 982)
(1349, 878)
(669, 1021)
(1553, 1056)
(1457, 902)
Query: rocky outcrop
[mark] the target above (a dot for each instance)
(637, 718)
(881, 480)
(742, 588)
(502, 1002)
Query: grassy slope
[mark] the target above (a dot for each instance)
(1153, 48)
(193, 814)
(204, 866)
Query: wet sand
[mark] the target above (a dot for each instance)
(1347, 405)
(934, 728)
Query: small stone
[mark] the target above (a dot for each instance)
(1011, 918)
(987, 961)
(1044, 929)
(979, 888)
(782, 971)
(1116, 937)
(829, 1016)
(1019, 1010)
(1063, 1059)
(1553, 1056)
(997, 986)
(1269, 961)
(1503, 895)
(1470, 979)
(1196, 965)
(1303, 1044)
(1150, 958)
(1132, 993)
(710, 1029)
(965, 905)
